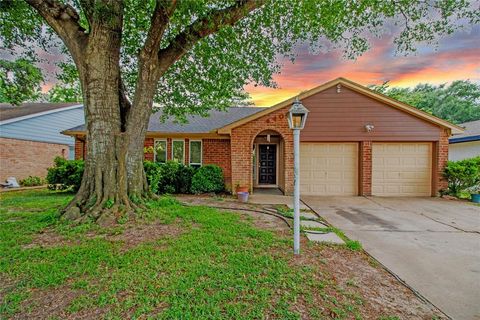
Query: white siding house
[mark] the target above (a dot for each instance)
(467, 144)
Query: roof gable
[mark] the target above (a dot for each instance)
(355, 87)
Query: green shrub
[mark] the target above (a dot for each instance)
(184, 180)
(169, 177)
(31, 181)
(152, 172)
(208, 178)
(462, 175)
(65, 174)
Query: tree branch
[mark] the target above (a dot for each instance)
(64, 21)
(159, 22)
(204, 27)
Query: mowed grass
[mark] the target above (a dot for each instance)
(217, 266)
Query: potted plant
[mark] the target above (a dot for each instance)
(239, 188)
(475, 193)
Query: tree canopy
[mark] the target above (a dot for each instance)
(20, 81)
(458, 102)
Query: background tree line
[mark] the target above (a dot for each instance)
(457, 102)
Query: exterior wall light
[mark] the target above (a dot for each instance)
(296, 120)
(369, 127)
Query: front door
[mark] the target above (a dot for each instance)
(267, 164)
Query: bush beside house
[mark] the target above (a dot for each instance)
(462, 175)
(65, 174)
(170, 177)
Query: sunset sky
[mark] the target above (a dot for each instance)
(456, 57)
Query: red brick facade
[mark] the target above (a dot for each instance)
(22, 158)
(365, 165)
(441, 160)
(148, 144)
(80, 149)
(217, 151)
(242, 139)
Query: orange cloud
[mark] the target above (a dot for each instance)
(454, 60)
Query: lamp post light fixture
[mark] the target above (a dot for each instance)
(297, 116)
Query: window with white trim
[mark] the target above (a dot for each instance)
(160, 151)
(196, 153)
(178, 151)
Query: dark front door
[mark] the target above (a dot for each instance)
(267, 164)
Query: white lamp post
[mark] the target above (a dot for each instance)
(296, 120)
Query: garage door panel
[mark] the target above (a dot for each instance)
(401, 169)
(328, 168)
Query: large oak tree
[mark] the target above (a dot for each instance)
(190, 56)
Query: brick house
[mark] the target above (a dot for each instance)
(30, 137)
(402, 154)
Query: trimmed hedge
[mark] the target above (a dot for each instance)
(462, 175)
(208, 179)
(170, 177)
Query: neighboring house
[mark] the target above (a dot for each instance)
(30, 137)
(467, 144)
(403, 155)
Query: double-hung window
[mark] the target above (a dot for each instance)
(178, 151)
(196, 153)
(160, 151)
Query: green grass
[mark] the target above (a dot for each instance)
(218, 267)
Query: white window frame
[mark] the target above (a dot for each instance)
(155, 149)
(183, 156)
(190, 152)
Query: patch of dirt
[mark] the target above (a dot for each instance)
(53, 303)
(358, 274)
(136, 234)
(247, 211)
(133, 235)
(48, 238)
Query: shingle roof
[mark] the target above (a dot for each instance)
(8, 111)
(195, 123)
(471, 133)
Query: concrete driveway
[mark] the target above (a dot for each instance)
(432, 244)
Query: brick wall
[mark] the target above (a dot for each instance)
(147, 144)
(217, 151)
(365, 168)
(442, 158)
(80, 149)
(22, 158)
(242, 139)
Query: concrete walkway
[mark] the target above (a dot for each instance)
(432, 244)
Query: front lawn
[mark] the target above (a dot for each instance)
(174, 262)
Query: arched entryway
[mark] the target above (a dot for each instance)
(268, 165)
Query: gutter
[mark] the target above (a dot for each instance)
(464, 139)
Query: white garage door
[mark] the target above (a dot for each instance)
(329, 169)
(401, 169)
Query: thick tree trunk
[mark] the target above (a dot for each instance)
(107, 190)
